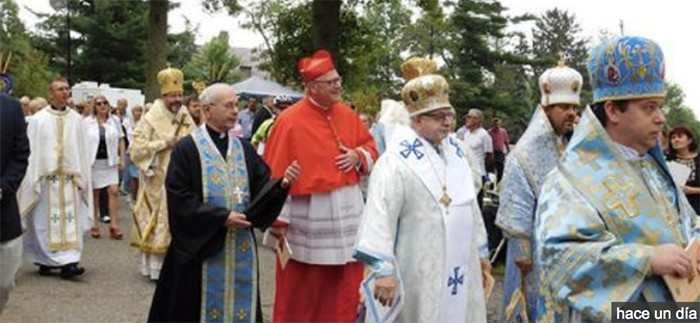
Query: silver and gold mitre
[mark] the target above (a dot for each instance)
(560, 85)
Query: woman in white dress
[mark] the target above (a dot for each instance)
(103, 137)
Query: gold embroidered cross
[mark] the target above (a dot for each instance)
(590, 158)
(179, 124)
(621, 196)
(652, 237)
(214, 314)
(238, 193)
(242, 314)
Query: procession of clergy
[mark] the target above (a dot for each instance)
(590, 210)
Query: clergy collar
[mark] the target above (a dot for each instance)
(58, 109)
(215, 134)
(316, 104)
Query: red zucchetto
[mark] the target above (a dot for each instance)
(312, 67)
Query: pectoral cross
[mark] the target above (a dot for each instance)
(445, 199)
(238, 193)
(455, 281)
(179, 124)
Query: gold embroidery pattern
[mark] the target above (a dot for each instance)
(244, 246)
(621, 196)
(214, 314)
(242, 314)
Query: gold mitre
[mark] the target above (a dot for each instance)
(198, 87)
(424, 91)
(170, 80)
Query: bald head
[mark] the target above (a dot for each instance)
(219, 106)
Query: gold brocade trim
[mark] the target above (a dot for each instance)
(143, 198)
(152, 222)
(63, 246)
(62, 204)
(49, 197)
(150, 249)
(230, 268)
(203, 308)
(631, 97)
(59, 172)
(242, 314)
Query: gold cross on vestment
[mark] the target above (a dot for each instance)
(590, 158)
(179, 124)
(621, 196)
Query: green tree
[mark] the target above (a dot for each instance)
(677, 113)
(370, 44)
(113, 43)
(326, 26)
(182, 45)
(157, 46)
(108, 41)
(478, 24)
(214, 62)
(432, 34)
(27, 65)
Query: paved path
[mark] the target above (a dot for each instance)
(113, 290)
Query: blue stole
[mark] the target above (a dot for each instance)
(229, 278)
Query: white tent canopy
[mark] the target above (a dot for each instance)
(257, 86)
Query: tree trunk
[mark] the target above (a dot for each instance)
(157, 45)
(326, 26)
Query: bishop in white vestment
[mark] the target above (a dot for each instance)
(421, 231)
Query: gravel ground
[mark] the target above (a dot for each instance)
(112, 290)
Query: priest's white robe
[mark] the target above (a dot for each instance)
(55, 197)
(405, 231)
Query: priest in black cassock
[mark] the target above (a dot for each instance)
(219, 189)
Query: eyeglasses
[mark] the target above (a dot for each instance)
(231, 105)
(100, 102)
(336, 81)
(441, 116)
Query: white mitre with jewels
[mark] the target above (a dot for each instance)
(560, 85)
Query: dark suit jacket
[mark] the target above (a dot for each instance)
(258, 118)
(14, 156)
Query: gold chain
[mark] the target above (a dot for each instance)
(445, 199)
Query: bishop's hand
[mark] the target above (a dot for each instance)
(347, 160)
(237, 220)
(671, 259)
(291, 174)
(385, 290)
(170, 141)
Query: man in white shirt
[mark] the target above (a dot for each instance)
(479, 140)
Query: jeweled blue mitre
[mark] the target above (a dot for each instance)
(625, 68)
